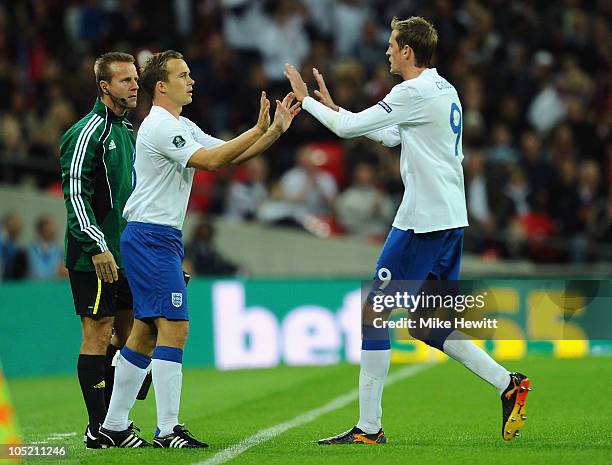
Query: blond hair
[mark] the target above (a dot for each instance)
(420, 35)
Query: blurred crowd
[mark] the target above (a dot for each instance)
(534, 80)
(42, 259)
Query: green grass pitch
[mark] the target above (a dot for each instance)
(443, 415)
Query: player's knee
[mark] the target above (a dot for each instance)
(434, 338)
(172, 333)
(181, 335)
(97, 334)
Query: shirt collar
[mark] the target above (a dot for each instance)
(102, 110)
(162, 111)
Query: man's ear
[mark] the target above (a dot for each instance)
(160, 86)
(104, 87)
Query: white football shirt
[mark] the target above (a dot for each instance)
(424, 115)
(162, 179)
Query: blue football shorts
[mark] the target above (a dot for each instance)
(153, 259)
(408, 256)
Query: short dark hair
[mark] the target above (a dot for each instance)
(420, 35)
(41, 221)
(154, 70)
(102, 66)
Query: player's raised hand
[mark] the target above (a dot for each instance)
(285, 112)
(323, 94)
(297, 83)
(263, 122)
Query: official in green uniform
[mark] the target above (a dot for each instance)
(97, 157)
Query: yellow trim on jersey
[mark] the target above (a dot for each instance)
(95, 309)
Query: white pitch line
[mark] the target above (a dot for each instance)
(266, 434)
(62, 435)
(55, 437)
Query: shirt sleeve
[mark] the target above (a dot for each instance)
(389, 137)
(206, 140)
(401, 106)
(174, 141)
(77, 154)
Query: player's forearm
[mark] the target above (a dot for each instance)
(325, 115)
(260, 146)
(222, 155)
(386, 137)
(346, 124)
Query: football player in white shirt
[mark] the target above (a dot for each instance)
(423, 114)
(169, 148)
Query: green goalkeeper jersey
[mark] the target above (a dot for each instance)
(97, 158)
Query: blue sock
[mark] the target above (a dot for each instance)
(374, 338)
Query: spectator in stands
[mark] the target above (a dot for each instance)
(372, 40)
(565, 206)
(547, 108)
(242, 21)
(473, 118)
(539, 173)
(304, 190)
(562, 147)
(589, 193)
(45, 256)
(202, 257)
(501, 150)
(600, 229)
(363, 210)
(517, 190)
(482, 222)
(13, 258)
(349, 18)
(244, 197)
(589, 188)
(13, 142)
(282, 38)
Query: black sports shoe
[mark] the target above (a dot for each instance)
(356, 436)
(181, 438)
(90, 441)
(125, 439)
(513, 400)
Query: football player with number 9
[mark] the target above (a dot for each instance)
(422, 114)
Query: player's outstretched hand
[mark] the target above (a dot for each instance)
(297, 83)
(263, 122)
(323, 94)
(285, 112)
(105, 266)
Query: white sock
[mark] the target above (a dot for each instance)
(374, 369)
(459, 346)
(167, 380)
(128, 379)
